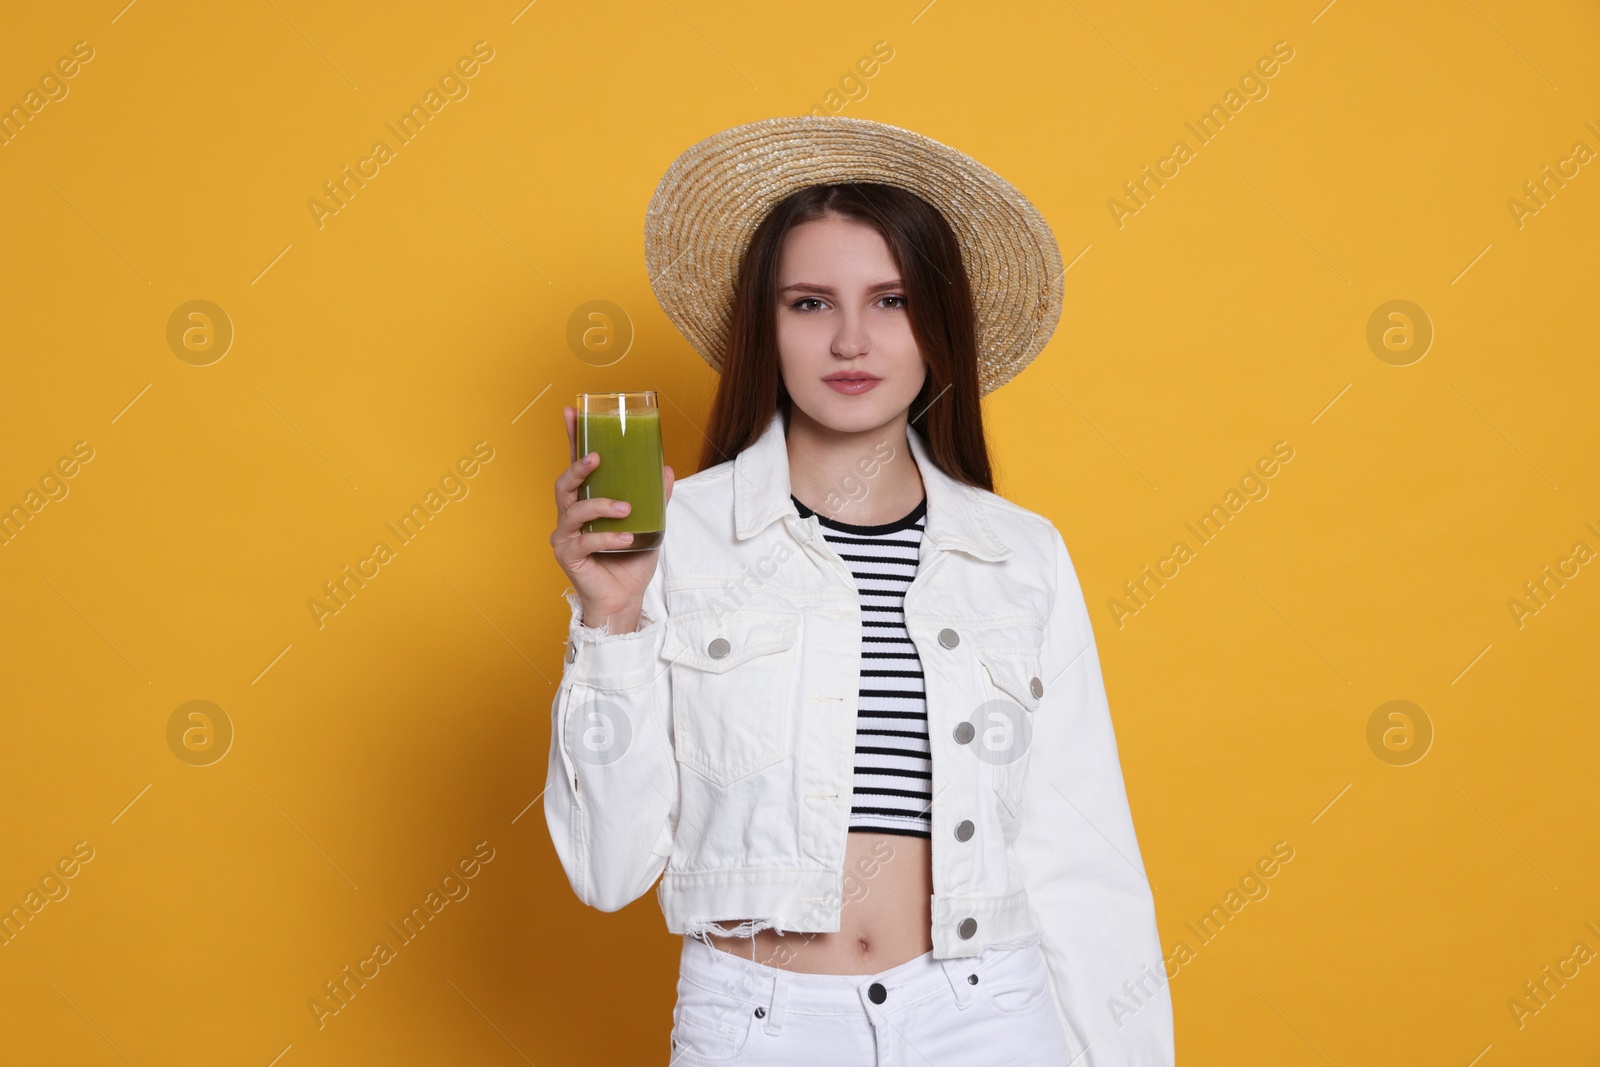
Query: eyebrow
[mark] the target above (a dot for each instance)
(826, 290)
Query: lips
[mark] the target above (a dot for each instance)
(850, 382)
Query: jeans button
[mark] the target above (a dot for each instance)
(718, 648)
(968, 927)
(964, 732)
(964, 830)
(1036, 687)
(949, 638)
(876, 993)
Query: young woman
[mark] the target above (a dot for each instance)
(852, 706)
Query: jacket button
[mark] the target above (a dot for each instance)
(967, 928)
(876, 993)
(572, 652)
(1036, 687)
(964, 830)
(964, 732)
(718, 648)
(949, 638)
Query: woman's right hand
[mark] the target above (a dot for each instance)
(610, 585)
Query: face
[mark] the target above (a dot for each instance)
(842, 314)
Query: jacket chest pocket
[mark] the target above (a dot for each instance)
(1004, 722)
(731, 679)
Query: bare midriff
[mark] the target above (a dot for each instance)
(886, 919)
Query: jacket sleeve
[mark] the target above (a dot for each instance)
(1080, 859)
(611, 792)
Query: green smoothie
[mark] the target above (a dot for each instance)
(630, 468)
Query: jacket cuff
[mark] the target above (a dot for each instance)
(599, 659)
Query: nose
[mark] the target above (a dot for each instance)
(851, 339)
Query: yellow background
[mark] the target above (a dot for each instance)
(374, 752)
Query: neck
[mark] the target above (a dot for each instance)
(865, 477)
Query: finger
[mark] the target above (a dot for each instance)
(572, 552)
(571, 478)
(583, 511)
(570, 526)
(670, 478)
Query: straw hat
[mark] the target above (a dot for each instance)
(716, 193)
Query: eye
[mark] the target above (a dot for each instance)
(899, 298)
(804, 300)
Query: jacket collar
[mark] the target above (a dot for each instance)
(955, 516)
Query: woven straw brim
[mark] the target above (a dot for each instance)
(712, 198)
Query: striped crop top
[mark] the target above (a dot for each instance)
(893, 783)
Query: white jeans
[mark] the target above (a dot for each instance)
(969, 1011)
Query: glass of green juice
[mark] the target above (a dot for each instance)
(625, 429)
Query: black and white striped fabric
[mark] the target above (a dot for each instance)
(893, 765)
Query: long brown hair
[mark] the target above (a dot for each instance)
(938, 298)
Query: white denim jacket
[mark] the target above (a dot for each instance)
(713, 747)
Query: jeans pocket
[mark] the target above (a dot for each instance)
(1018, 981)
(709, 1026)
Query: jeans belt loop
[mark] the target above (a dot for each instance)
(956, 969)
(780, 987)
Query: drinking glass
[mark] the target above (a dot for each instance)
(625, 429)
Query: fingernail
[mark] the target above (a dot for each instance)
(620, 505)
(625, 537)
